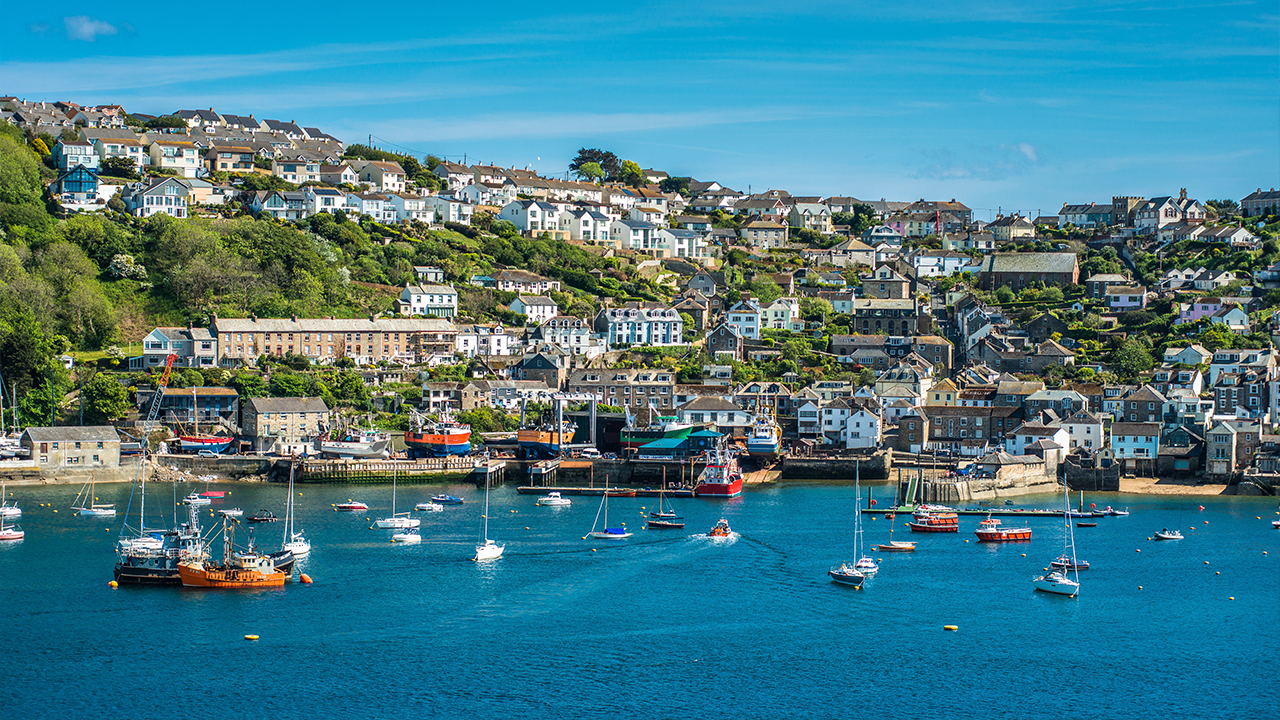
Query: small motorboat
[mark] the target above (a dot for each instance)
(298, 545)
(1057, 583)
(554, 499)
(1275, 524)
(263, 516)
(231, 512)
(867, 566)
(429, 507)
(1008, 502)
(351, 505)
(213, 493)
(610, 534)
(1064, 562)
(11, 532)
(1086, 524)
(897, 546)
(1167, 534)
(847, 574)
(408, 536)
(989, 530)
(195, 499)
(1080, 513)
(657, 524)
(1117, 513)
(446, 499)
(721, 529)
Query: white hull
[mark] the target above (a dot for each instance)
(408, 538)
(398, 523)
(9, 511)
(489, 551)
(429, 507)
(96, 512)
(1057, 587)
(196, 500)
(610, 536)
(867, 567)
(233, 512)
(11, 535)
(554, 501)
(1168, 536)
(356, 449)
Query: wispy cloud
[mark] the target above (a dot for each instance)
(982, 163)
(83, 27)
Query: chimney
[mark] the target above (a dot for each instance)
(293, 318)
(1182, 194)
(190, 325)
(253, 318)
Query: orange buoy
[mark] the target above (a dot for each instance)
(305, 579)
(1137, 549)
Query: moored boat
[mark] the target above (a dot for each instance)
(846, 574)
(86, 503)
(1064, 577)
(607, 533)
(195, 499)
(11, 532)
(764, 438)
(8, 509)
(446, 499)
(351, 506)
(642, 431)
(356, 443)
(990, 530)
(408, 537)
(553, 499)
(895, 545)
(152, 559)
(206, 443)
(263, 516)
(721, 478)
(659, 524)
(934, 520)
(1057, 582)
(544, 441)
(1167, 534)
(429, 507)
(1066, 562)
(437, 438)
(231, 512)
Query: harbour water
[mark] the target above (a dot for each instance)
(665, 624)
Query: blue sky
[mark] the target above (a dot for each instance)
(1012, 105)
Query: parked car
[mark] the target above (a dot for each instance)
(209, 454)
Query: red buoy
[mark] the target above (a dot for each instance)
(305, 579)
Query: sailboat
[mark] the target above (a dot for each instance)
(607, 533)
(664, 519)
(487, 549)
(8, 509)
(866, 565)
(10, 532)
(1064, 578)
(397, 521)
(895, 545)
(294, 541)
(86, 502)
(195, 442)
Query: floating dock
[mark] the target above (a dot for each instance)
(994, 512)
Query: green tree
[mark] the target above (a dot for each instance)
(675, 185)
(1133, 357)
(105, 399)
(1004, 295)
(1051, 295)
(249, 385)
(289, 385)
(859, 221)
(126, 168)
(590, 172)
(19, 173)
(765, 290)
(607, 161)
(630, 173)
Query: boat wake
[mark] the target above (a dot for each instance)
(729, 539)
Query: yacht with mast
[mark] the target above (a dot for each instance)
(487, 549)
(1064, 578)
(397, 521)
(607, 533)
(195, 442)
(294, 542)
(8, 509)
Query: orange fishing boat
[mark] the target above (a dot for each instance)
(989, 530)
(248, 569)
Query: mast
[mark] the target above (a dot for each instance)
(288, 508)
(485, 539)
(857, 519)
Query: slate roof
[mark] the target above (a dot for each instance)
(73, 433)
(1029, 263)
(287, 405)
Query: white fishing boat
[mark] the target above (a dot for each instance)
(231, 512)
(195, 499)
(606, 533)
(408, 537)
(355, 443)
(1167, 534)
(294, 541)
(487, 549)
(87, 505)
(397, 521)
(1064, 578)
(10, 532)
(8, 509)
(429, 507)
(554, 499)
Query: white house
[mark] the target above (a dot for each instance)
(1034, 431)
(180, 155)
(938, 263)
(1135, 441)
(429, 300)
(1084, 431)
(374, 205)
(638, 235)
(449, 209)
(537, 308)
(571, 335)
(683, 243)
(476, 340)
(167, 196)
(640, 326)
(388, 177)
(411, 207)
(327, 200)
(745, 318)
(781, 314)
(296, 171)
(338, 175)
(861, 430)
(586, 225)
(531, 216)
(717, 411)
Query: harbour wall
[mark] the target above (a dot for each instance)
(870, 467)
(965, 490)
(27, 472)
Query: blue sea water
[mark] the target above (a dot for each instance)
(665, 624)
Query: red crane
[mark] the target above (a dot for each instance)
(160, 388)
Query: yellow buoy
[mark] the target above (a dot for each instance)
(951, 627)
(55, 511)
(1206, 562)
(1217, 573)
(250, 637)
(593, 549)
(1023, 554)
(113, 583)
(1139, 587)
(1231, 598)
